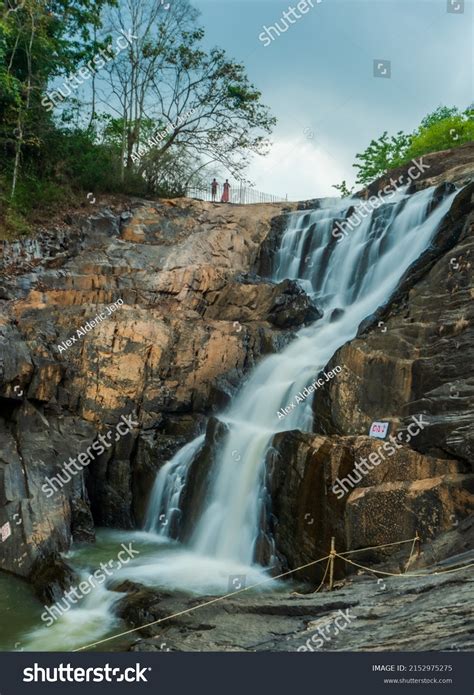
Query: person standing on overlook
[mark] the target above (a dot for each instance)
(214, 186)
(226, 194)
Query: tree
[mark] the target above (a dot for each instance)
(200, 101)
(40, 40)
(381, 155)
(151, 117)
(439, 114)
(442, 129)
(210, 108)
(131, 76)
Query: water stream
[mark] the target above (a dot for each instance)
(348, 280)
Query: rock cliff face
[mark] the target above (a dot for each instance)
(189, 315)
(185, 323)
(414, 358)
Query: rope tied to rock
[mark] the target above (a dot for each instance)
(406, 575)
(333, 554)
(383, 545)
(202, 605)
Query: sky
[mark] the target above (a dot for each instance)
(318, 77)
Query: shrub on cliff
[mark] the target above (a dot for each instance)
(442, 129)
(449, 132)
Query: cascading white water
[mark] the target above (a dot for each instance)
(163, 514)
(355, 276)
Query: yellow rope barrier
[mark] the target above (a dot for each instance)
(285, 574)
(375, 547)
(403, 575)
(407, 565)
(297, 593)
(201, 605)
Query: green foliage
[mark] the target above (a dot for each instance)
(443, 129)
(381, 155)
(34, 194)
(49, 158)
(76, 157)
(439, 114)
(344, 189)
(442, 134)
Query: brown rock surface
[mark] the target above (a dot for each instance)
(187, 326)
(413, 358)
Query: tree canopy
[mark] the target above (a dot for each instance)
(116, 96)
(444, 128)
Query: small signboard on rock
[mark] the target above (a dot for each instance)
(379, 429)
(5, 531)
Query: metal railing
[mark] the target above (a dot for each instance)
(238, 194)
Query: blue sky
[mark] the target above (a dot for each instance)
(318, 77)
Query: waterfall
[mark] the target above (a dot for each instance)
(164, 508)
(349, 278)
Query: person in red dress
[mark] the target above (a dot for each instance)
(226, 194)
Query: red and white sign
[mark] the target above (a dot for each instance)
(379, 429)
(5, 531)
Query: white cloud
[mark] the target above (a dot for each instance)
(298, 167)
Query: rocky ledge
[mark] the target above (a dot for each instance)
(366, 612)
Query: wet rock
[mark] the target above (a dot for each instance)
(284, 305)
(336, 314)
(322, 487)
(376, 610)
(194, 319)
(42, 510)
(265, 263)
(299, 474)
(289, 310)
(430, 506)
(200, 479)
(51, 577)
(414, 358)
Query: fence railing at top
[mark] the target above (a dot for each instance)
(239, 195)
